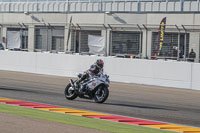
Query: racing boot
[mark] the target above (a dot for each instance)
(82, 89)
(76, 84)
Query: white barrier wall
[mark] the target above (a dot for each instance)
(195, 70)
(161, 73)
(150, 72)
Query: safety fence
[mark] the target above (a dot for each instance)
(100, 6)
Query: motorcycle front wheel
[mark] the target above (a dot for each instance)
(70, 93)
(101, 94)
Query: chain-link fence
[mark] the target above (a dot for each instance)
(79, 43)
(125, 43)
(175, 45)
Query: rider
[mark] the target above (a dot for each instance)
(94, 69)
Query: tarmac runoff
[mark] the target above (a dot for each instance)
(102, 116)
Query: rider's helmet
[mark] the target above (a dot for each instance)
(100, 63)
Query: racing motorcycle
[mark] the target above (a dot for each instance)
(96, 88)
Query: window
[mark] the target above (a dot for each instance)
(17, 38)
(57, 43)
(49, 38)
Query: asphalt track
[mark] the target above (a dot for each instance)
(171, 105)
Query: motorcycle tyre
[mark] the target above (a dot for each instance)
(73, 96)
(105, 97)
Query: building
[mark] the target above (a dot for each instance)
(129, 27)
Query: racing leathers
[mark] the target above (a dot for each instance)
(94, 70)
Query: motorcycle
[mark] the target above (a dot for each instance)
(96, 88)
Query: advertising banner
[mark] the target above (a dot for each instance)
(161, 34)
(96, 44)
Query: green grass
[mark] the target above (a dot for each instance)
(77, 120)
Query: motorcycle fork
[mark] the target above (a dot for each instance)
(72, 84)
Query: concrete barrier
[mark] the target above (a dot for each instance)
(150, 72)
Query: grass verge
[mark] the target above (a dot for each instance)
(77, 120)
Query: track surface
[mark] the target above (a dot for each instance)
(172, 105)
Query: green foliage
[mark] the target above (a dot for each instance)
(76, 120)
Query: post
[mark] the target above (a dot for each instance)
(67, 39)
(140, 45)
(31, 38)
(101, 8)
(178, 41)
(139, 6)
(149, 44)
(9, 6)
(182, 5)
(145, 42)
(194, 44)
(178, 46)
(47, 29)
(79, 43)
(37, 6)
(67, 48)
(185, 41)
(4, 36)
(108, 37)
(110, 40)
(104, 34)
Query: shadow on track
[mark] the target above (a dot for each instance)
(18, 90)
(138, 106)
(127, 105)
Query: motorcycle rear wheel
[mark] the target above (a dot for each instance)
(101, 94)
(70, 93)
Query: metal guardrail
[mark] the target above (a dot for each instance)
(100, 6)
